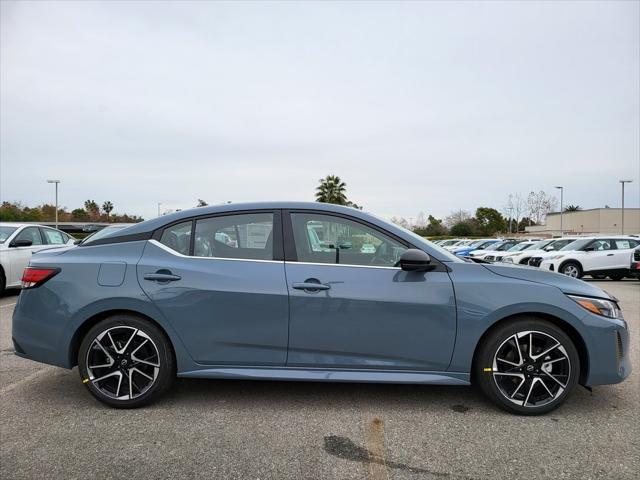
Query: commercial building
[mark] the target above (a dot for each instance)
(606, 221)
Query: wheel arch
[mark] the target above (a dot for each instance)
(570, 260)
(566, 327)
(90, 322)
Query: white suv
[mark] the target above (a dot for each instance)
(595, 256)
(18, 241)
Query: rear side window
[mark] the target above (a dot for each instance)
(626, 244)
(243, 236)
(177, 237)
(54, 237)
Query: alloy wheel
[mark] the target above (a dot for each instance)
(571, 271)
(531, 368)
(123, 362)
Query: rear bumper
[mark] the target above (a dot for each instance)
(36, 335)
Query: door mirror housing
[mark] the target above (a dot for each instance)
(21, 243)
(590, 248)
(414, 260)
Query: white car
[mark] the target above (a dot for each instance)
(595, 256)
(499, 256)
(459, 244)
(539, 249)
(18, 241)
(493, 249)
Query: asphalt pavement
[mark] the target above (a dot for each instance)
(50, 427)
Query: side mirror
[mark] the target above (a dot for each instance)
(590, 248)
(21, 243)
(414, 260)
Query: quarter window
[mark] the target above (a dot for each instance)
(30, 233)
(244, 236)
(328, 239)
(178, 237)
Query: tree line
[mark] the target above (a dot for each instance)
(92, 212)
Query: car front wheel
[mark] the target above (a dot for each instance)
(571, 269)
(528, 366)
(126, 361)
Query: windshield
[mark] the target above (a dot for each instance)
(445, 253)
(520, 247)
(541, 244)
(5, 232)
(445, 243)
(505, 246)
(576, 245)
(105, 232)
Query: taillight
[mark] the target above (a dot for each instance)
(35, 276)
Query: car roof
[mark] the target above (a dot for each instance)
(158, 222)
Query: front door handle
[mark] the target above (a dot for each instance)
(310, 286)
(161, 277)
(609, 254)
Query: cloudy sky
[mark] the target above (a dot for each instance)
(417, 106)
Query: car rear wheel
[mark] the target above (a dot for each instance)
(126, 361)
(616, 276)
(528, 367)
(3, 281)
(571, 269)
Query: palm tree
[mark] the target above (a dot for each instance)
(92, 208)
(107, 207)
(332, 190)
(572, 208)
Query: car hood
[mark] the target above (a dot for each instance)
(563, 282)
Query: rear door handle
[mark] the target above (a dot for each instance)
(310, 286)
(609, 254)
(162, 277)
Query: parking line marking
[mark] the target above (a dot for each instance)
(27, 379)
(377, 468)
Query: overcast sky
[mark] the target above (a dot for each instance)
(417, 106)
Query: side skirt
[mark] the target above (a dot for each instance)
(330, 375)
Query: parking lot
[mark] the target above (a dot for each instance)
(52, 428)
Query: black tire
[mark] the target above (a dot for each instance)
(616, 276)
(147, 340)
(598, 276)
(488, 372)
(567, 269)
(3, 281)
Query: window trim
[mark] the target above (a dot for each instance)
(290, 245)
(278, 250)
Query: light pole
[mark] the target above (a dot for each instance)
(159, 208)
(622, 182)
(56, 182)
(561, 209)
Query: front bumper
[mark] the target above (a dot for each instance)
(547, 265)
(608, 350)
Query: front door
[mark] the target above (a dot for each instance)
(351, 307)
(218, 283)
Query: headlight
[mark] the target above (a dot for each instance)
(555, 257)
(606, 308)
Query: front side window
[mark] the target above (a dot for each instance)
(600, 245)
(32, 234)
(178, 237)
(243, 236)
(54, 237)
(328, 239)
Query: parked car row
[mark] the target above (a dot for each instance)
(600, 257)
(18, 242)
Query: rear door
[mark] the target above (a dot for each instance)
(623, 252)
(351, 307)
(220, 281)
